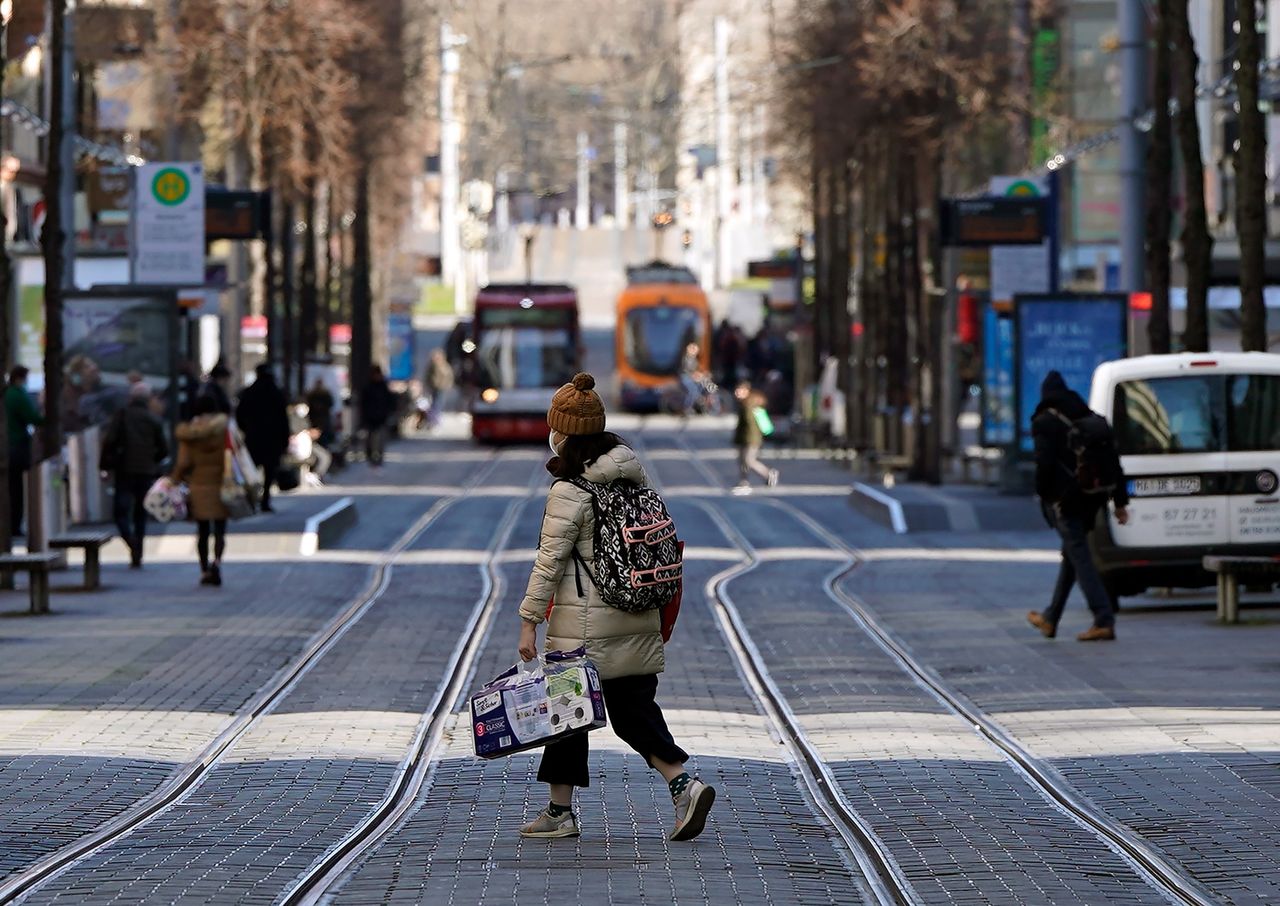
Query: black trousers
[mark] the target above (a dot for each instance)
(130, 516)
(218, 529)
(634, 716)
(19, 462)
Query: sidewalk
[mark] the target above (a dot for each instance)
(104, 699)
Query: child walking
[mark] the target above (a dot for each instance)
(627, 648)
(752, 428)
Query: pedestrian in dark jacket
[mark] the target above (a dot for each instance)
(133, 448)
(217, 388)
(1072, 512)
(377, 404)
(264, 418)
(21, 414)
(320, 411)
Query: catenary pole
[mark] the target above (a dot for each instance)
(1132, 25)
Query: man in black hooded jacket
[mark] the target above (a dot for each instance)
(1072, 512)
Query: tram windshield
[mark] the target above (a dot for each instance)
(525, 357)
(657, 336)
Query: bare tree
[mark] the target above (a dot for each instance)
(881, 89)
(1197, 243)
(1251, 215)
(1159, 184)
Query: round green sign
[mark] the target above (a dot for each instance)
(170, 186)
(1023, 188)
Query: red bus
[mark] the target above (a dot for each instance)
(527, 345)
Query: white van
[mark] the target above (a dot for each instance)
(1199, 438)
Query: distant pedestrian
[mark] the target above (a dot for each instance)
(133, 449)
(691, 377)
(627, 648)
(439, 382)
(218, 388)
(1077, 472)
(729, 351)
(202, 459)
(263, 416)
(21, 415)
(377, 405)
(749, 435)
(320, 405)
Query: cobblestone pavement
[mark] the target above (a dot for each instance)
(105, 700)
(763, 845)
(301, 778)
(1173, 730)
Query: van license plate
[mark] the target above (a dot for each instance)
(1178, 485)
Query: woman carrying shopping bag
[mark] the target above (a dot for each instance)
(626, 648)
(202, 463)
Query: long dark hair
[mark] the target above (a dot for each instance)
(579, 451)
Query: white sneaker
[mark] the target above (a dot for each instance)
(546, 827)
(772, 480)
(692, 808)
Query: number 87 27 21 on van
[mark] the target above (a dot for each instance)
(1199, 439)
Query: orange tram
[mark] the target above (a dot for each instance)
(659, 313)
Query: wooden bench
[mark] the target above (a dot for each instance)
(1231, 571)
(38, 566)
(91, 543)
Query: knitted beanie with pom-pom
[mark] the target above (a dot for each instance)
(576, 408)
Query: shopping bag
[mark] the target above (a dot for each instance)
(236, 494)
(248, 470)
(763, 422)
(536, 702)
(671, 610)
(166, 501)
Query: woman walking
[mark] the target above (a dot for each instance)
(202, 463)
(627, 648)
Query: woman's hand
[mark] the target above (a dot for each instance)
(528, 640)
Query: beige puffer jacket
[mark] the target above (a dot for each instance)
(620, 644)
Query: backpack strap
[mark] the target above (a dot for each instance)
(580, 562)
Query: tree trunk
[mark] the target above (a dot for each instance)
(1197, 243)
(840, 224)
(289, 333)
(1251, 215)
(6, 343)
(53, 237)
(361, 282)
(332, 289)
(308, 292)
(1159, 185)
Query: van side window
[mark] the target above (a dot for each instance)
(1254, 414)
(1169, 415)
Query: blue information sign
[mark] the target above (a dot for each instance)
(400, 344)
(998, 423)
(1071, 334)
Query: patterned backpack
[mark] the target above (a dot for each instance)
(638, 559)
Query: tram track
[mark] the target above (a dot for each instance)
(192, 773)
(1154, 867)
(415, 769)
(1159, 872)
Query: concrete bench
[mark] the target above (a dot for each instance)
(38, 566)
(1231, 571)
(91, 543)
